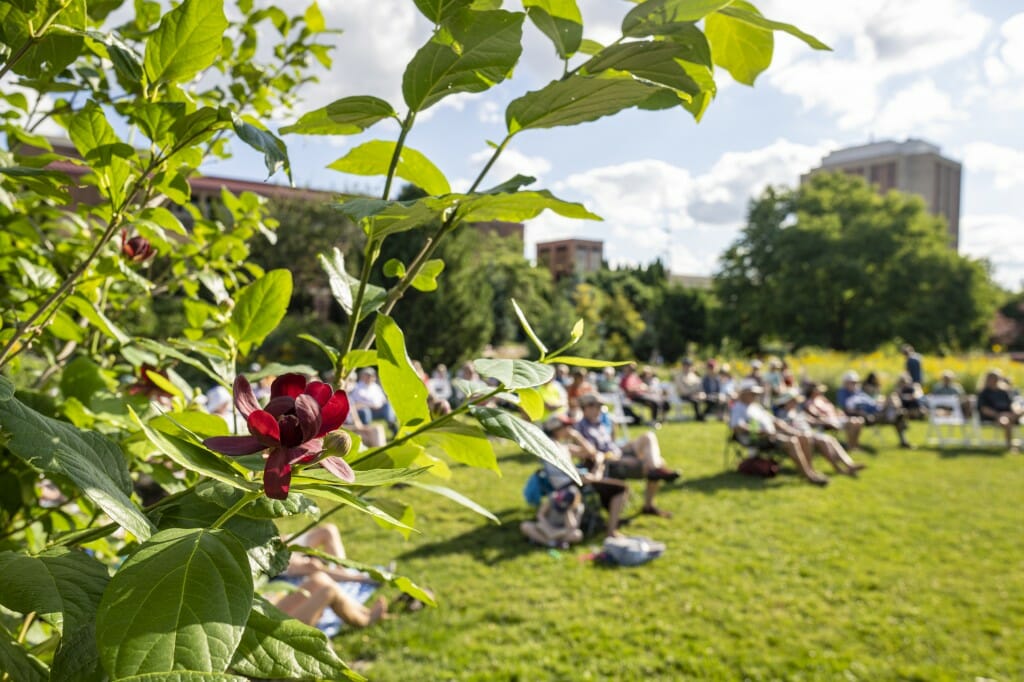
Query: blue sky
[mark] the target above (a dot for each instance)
(949, 71)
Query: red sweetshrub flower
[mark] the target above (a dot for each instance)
(292, 426)
(137, 249)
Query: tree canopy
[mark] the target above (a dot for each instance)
(834, 264)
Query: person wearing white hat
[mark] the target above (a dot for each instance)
(754, 426)
(856, 402)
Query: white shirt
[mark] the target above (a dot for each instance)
(742, 415)
(368, 395)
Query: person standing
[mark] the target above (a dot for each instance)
(913, 364)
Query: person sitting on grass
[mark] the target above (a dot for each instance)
(787, 406)
(996, 406)
(558, 519)
(871, 408)
(822, 414)
(753, 426)
(613, 492)
(317, 584)
(637, 459)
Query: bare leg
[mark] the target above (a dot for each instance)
(793, 448)
(327, 539)
(532, 531)
(615, 507)
(650, 490)
(648, 451)
(853, 428)
(319, 591)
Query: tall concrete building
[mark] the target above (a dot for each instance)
(570, 256)
(913, 166)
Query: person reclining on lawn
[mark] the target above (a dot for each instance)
(613, 492)
(637, 459)
(996, 406)
(822, 414)
(787, 408)
(752, 425)
(873, 410)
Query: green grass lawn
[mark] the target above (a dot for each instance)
(914, 571)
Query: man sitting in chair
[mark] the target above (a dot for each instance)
(754, 426)
(637, 459)
(996, 406)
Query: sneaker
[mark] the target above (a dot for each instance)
(662, 474)
(654, 511)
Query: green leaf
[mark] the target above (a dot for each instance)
(260, 306)
(660, 17)
(426, 279)
(96, 318)
(82, 378)
(463, 443)
(381, 576)
(531, 402)
(661, 63)
(371, 478)
(184, 676)
(394, 268)
(63, 587)
(578, 99)
(527, 436)
(532, 335)
(343, 285)
(591, 47)
(99, 145)
(374, 158)
(315, 19)
(275, 153)
(519, 207)
(392, 217)
(439, 10)
(559, 20)
(515, 373)
(746, 12)
(194, 458)
(225, 495)
(474, 51)
(6, 389)
(179, 603)
(360, 358)
(458, 498)
(276, 645)
(574, 361)
(346, 116)
(187, 41)
(403, 386)
(331, 352)
(346, 497)
(19, 664)
(738, 46)
(92, 462)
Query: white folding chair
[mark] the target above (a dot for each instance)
(986, 433)
(945, 417)
(618, 413)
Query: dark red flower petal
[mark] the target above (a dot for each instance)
(321, 391)
(333, 414)
(307, 452)
(264, 426)
(291, 431)
(288, 384)
(245, 399)
(235, 445)
(282, 404)
(340, 468)
(277, 474)
(308, 411)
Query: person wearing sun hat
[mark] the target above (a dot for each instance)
(613, 492)
(638, 459)
(753, 426)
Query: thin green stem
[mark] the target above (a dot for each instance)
(369, 257)
(235, 508)
(490, 162)
(315, 522)
(25, 625)
(33, 38)
(33, 519)
(407, 124)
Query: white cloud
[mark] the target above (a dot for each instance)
(876, 43)
(1004, 67)
(654, 209)
(511, 162)
(490, 112)
(1004, 163)
(918, 110)
(997, 238)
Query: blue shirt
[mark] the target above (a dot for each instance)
(914, 368)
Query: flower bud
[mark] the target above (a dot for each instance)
(338, 444)
(137, 249)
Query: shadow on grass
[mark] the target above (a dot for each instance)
(973, 451)
(733, 480)
(488, 544)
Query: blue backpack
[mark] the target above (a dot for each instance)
(537, 486)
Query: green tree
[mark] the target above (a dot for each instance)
(834, 264)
